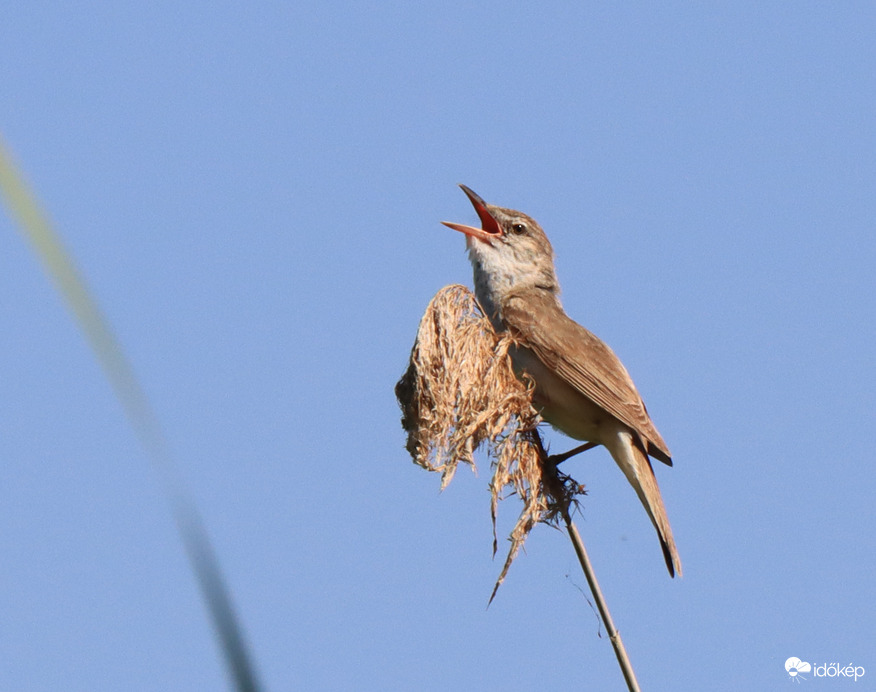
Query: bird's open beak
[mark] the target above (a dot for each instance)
(490, 228)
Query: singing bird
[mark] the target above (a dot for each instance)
(581, 387)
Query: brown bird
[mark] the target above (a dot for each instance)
(581, 387)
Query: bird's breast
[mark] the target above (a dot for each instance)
(560, 404)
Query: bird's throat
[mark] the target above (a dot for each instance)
(496, 278)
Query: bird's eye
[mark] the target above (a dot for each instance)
(518, 228)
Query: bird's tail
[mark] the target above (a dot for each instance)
(637, 468)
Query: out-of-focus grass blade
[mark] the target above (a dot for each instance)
(36, 227)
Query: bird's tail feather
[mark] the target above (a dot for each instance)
(637, 468)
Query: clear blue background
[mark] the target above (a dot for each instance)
(253, 193)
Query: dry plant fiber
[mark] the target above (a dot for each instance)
(460, 392)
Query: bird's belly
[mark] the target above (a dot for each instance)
(560, 404)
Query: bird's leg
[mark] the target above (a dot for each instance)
(557, 459)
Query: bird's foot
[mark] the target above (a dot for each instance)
(557, 459)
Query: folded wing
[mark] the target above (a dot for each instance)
(583, 360)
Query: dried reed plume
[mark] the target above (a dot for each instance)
(460, 392)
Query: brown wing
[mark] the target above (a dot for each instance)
(581, 359)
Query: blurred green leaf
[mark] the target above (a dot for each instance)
(59, 265)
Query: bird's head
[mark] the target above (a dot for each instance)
(509, 251)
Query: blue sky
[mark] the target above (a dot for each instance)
(254, 195)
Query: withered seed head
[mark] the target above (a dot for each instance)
(459, 392)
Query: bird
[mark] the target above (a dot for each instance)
(581, 388)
